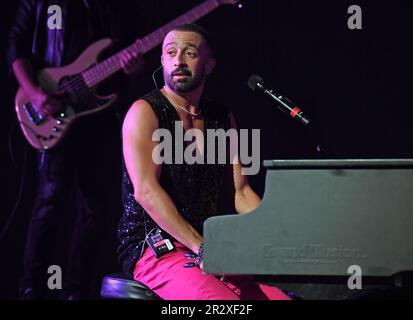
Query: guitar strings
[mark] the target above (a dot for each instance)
(79, 82)
(78, 85)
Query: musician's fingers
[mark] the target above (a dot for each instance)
(135, 53)
(138, 62)
(53, 106)
(40, 106)
(131, 61)
(189, 265)
(42, 112)
(134, 57)
(127, 56)
(125, 61)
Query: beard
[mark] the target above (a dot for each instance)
(185, 85)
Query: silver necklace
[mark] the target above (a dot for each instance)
(187, 111)
(194, 115)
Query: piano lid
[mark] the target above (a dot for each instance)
(339, 163)
(318, 218)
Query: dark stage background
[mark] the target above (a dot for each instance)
(356, 85)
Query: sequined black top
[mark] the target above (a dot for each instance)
(199, 191)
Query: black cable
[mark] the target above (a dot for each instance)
(153, 76)
(22, 178)
(13, 160)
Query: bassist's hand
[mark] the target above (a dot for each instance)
(46, 104)
(131, 60)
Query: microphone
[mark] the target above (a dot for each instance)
(256, 83)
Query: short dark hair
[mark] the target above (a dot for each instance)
(192, 27)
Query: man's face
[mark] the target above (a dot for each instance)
(186, 61)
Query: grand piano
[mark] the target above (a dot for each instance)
(317, 219)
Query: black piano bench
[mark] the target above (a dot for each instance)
(118, 286)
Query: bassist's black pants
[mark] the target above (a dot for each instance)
(85, 167)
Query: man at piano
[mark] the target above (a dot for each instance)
(165, 205)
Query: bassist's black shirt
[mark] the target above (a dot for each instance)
(83, 22)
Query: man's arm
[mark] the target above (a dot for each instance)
(22, 31)
(139, 125)
(23, 71)
(246, 200)
(19, 53)
(19, 46)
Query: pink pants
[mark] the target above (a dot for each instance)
(171, 281)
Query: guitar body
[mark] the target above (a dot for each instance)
(79, 99)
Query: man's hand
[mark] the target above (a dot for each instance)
(198, 258)
(131, 60)
(46, 104)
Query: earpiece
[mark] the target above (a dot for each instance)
(153, 76)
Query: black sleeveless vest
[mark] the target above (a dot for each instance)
(199, 191)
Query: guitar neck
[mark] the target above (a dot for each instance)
(111, 65)
(155, 38)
